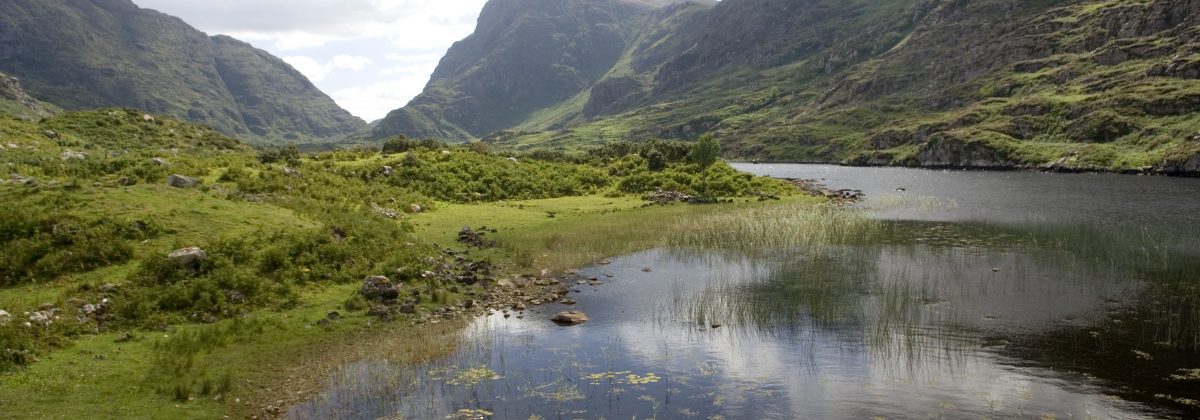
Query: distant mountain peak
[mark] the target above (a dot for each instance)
(112, 53)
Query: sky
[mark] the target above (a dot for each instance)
(370, 56)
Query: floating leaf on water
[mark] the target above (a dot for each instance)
(470, 414)
(473, 376)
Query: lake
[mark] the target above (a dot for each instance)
(988, 294)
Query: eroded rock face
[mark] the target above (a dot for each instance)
(950, 152)
(570, 318)
(1189, 167)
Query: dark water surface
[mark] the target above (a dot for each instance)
(992, 295)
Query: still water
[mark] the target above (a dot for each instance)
(992, 294)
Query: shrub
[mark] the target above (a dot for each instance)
(706, 151)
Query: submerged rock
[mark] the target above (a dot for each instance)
(570, 318)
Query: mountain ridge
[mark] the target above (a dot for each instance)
(1053, 84)
(116, 54)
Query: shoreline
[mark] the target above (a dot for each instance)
(1047, 168)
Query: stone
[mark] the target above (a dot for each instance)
(107, 288)
(407, 308)
(70, 155)
(23, 180)
(180, 181)
(387, 170)
(147, 118)
(4, 317)
(570, 318)
(333, 316)
(379, 288)
(568, 301)
(125, 338)
(472, 238)
(384, 211)
(292, 172)
(380, 311)
(50, 134)
(158, 161)
(415, 208)
(192, 256)
(42, 318)
(505, 283)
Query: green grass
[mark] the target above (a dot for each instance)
(289, 238)
(583, 230)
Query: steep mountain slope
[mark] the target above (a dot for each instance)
(525, 55)
(83, 54)
(1064, 84)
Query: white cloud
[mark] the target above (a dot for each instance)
(312, 69)
(336, 42)
(350, 62)
(374, 101)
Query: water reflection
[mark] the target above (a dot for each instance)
(928, 318)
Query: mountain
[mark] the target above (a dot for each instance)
(525, 55)
(82, 54)
(1060, 84)
(14, 101)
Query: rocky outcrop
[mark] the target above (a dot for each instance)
(948, 151)
(12, 91)
(611, 96)
(1183, 167)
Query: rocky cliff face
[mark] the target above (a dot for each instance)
(101, 53)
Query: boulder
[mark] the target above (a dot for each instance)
(379, 288)
(43, 318)
(191, 256)
(570, 318)
(180, 181)
(69, 155)
(415, 208)
(4, 317)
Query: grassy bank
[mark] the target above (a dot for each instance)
(104, 324)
